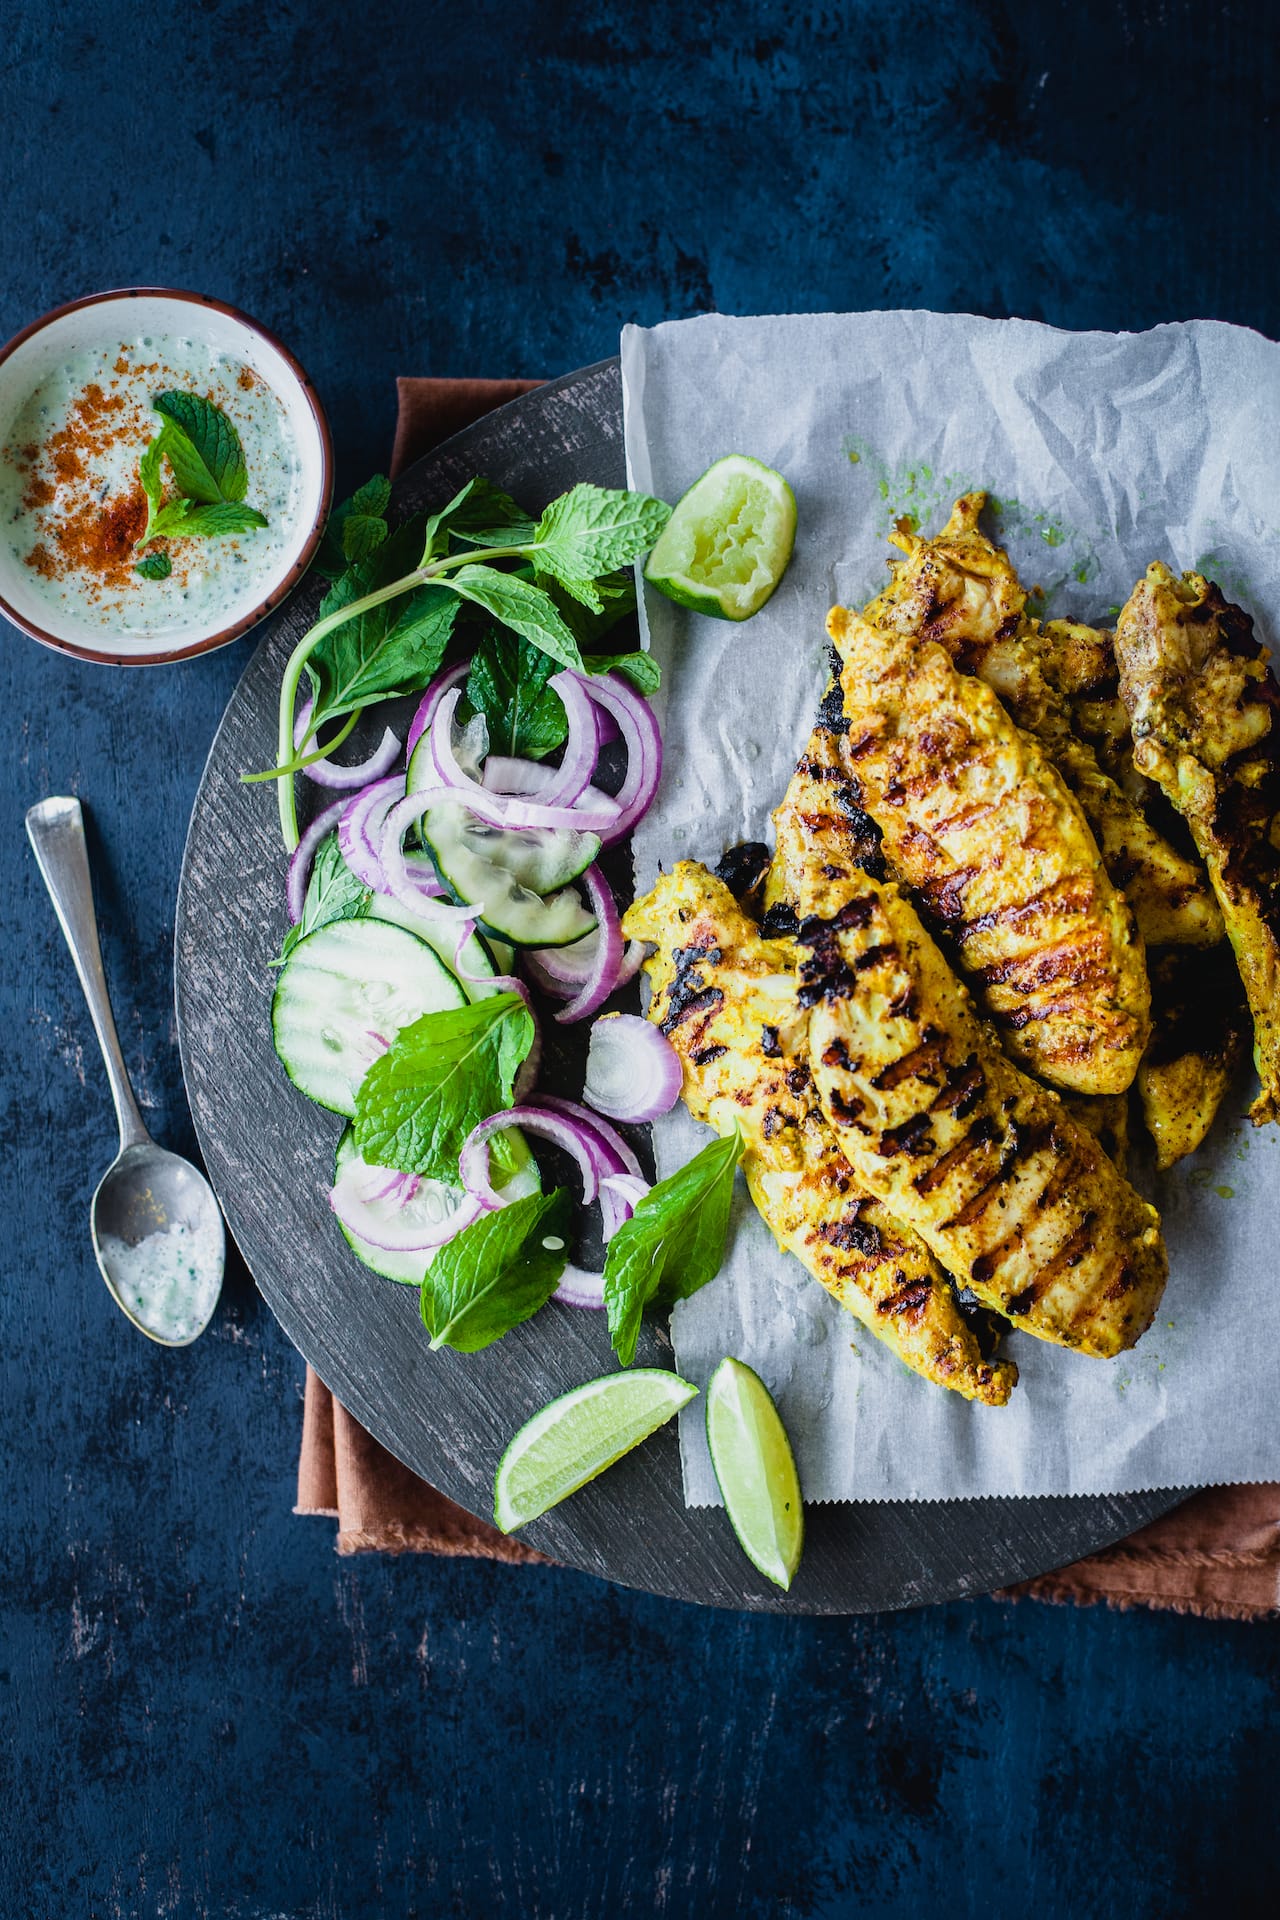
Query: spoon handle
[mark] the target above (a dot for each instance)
(55, 829)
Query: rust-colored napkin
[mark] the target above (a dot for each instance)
(1218, 1554)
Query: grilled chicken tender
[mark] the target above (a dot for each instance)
(1203, 709)
(976, 820)
(962, 590)
(1201, 1031)
(1012, 1196)
(726, 998)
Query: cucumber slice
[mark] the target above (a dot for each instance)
(544, 859)
(409, 1268)
(441, 934)
(728, 541)
(341, 998)
(476, 864)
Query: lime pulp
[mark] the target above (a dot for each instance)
(728, 541)
(577, 1436)
(756, 1470)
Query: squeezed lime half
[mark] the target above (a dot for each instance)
(578, 1436)
(728, 541)
(756, 1470)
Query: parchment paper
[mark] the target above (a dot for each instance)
(1105, 451)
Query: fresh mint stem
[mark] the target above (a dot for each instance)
(309, 759)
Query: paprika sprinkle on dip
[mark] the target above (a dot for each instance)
(74, 510)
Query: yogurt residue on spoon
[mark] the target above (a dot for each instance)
(72, 506)
(170, 1281)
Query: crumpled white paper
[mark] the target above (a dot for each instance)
(1104, 451)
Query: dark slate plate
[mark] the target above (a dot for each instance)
(447, 1415)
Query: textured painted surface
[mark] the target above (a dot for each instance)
(205, 1712)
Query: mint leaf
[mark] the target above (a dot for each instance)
(368, 505)
(481, 515)
(203, 448)
(150, 475)
(438, 1079)
(641, 669)
(672, 1244)
(362, 535)
(616, 593)
(520, 605)
(591, 530)
(389, 649)
(496, 1273)
(333, 893)
(181, 520)
(156, 566)
(508, 685)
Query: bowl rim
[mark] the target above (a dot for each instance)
(290, 580)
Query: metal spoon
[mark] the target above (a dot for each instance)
(145, 1191)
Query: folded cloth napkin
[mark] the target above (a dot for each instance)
(1218, 1554)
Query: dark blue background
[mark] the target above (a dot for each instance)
(207, 1712)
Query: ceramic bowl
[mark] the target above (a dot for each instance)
(103, 321)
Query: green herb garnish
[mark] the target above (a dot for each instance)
(497, 1272)
(508, 685)
(542, 580)
(333, 893)
(206, 458)
(439, 1078)
(156, 566)
(672, 1244)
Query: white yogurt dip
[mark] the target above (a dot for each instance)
(72, 506)
(170, 1281)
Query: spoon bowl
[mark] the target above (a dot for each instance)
(159, 1242)
(157, 1230)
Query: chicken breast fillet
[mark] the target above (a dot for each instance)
(727, 999)
(1203, 707)
(1198, 1043)
(1013, 1197)
(979, 823)
(962, 590)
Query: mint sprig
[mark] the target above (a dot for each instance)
(438, 1079)
(497, 1272)
(206, 458)
(481, 548)
(672, 1244)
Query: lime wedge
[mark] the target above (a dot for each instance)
(727, 544)
(756, 1470)
(578, 1436)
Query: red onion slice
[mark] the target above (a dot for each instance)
(431, 699)
(343, 779)
(620, 1195)
(579, 1289)
(411, 1218)
(633, 1071)
(473, 1162)
(603, 977)
(360, 831)
(639, 729)
(618, 1157)
(564, 970)
(295, 886)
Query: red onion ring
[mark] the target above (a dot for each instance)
(579, 1289)
(473, 1161)
(354, 1198)
(431, 700)
(620, 1195)
(360, 831)
(633, 1071)
(325, 774)
(603, 977)
(639, 729)
(563, 970)
(618, 1155)
(295, 886)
